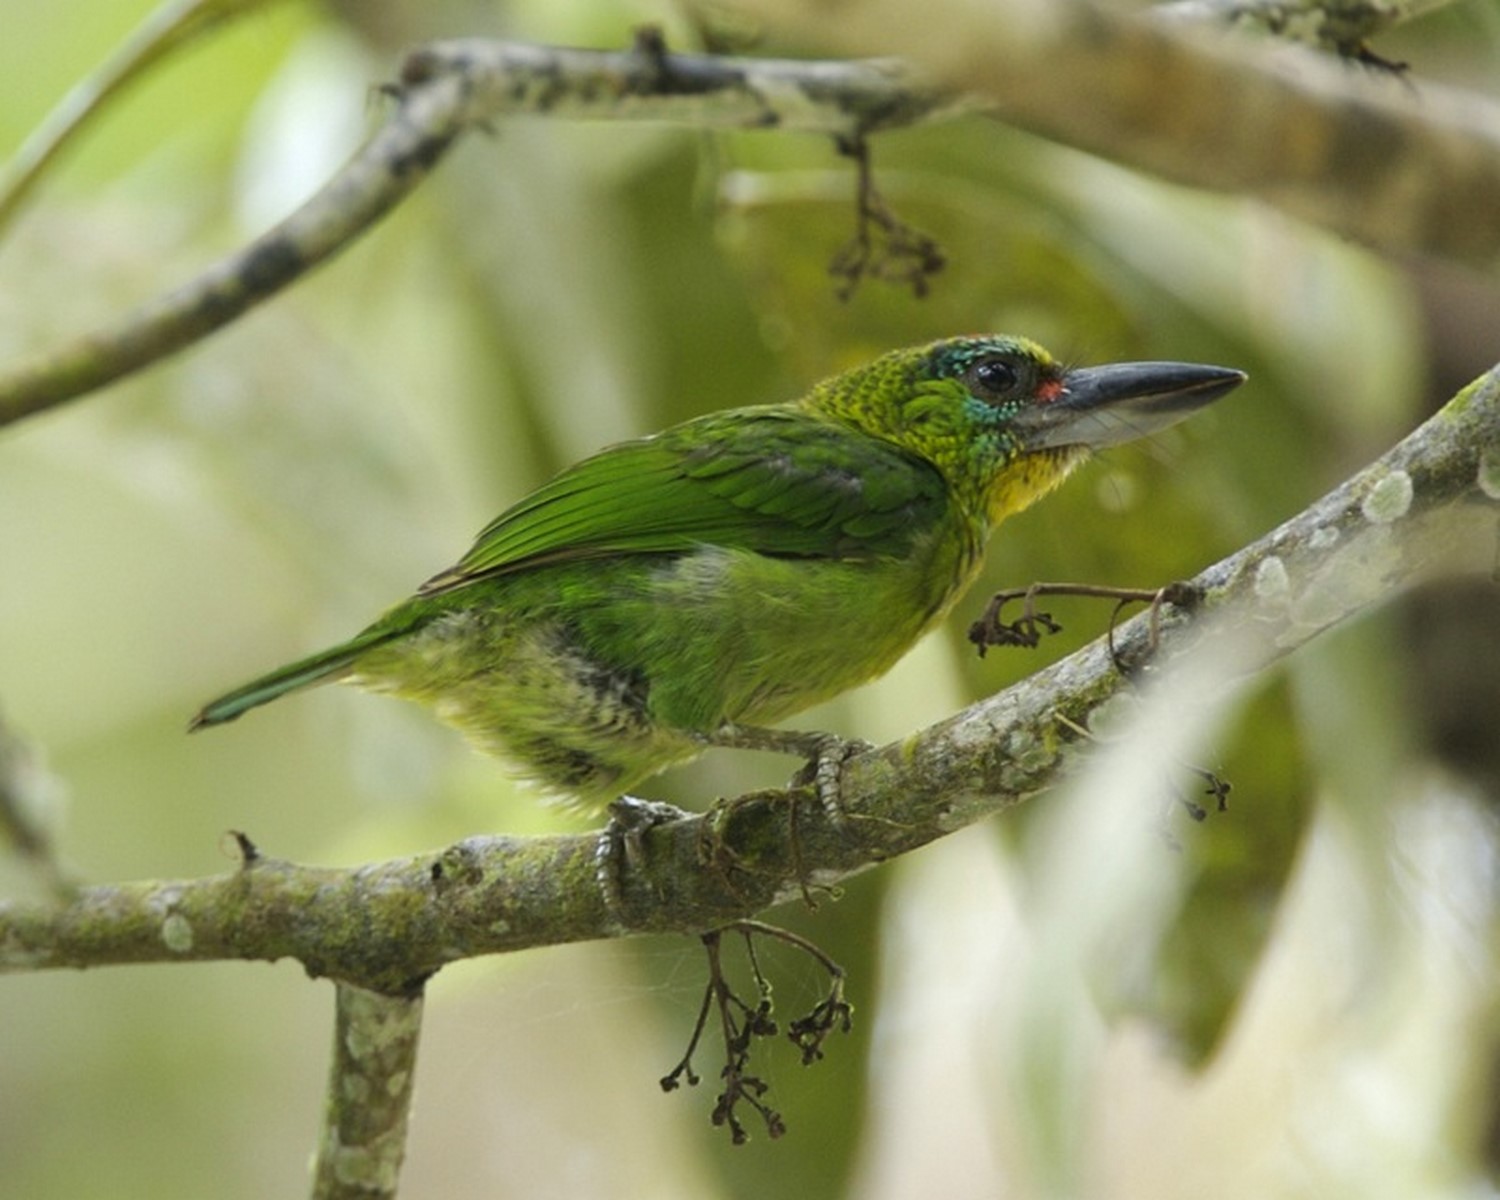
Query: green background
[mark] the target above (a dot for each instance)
(1289, 999)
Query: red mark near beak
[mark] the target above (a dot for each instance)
(1049, 390)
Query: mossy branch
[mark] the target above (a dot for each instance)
(1429, 507)
(368, 1101)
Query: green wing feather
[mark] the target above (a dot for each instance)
(779, 481)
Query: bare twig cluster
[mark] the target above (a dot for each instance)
(741, 1023)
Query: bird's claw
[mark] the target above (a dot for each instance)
(826, 754)
(621, 845)
(825, 768)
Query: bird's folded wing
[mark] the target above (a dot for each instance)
(773, 480)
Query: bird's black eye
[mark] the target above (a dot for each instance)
(993, 376)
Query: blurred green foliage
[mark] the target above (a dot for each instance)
(555, 288)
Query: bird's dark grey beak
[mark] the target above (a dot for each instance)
(1105, 406)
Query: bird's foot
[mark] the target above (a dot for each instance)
(1027, 629)
(825, 771)
(621, 844)
(826, 754)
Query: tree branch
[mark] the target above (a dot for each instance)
(1328, 24)
(699, 91)
(369, 1095)
(1399, 169)
(1430, 506)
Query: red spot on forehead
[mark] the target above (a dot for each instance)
(1049, 390)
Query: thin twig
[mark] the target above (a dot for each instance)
(742, 1023)
(883, 246)
(1440, 154)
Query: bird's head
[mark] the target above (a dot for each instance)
(1006, 422)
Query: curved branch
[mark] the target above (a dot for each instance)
(1430, 506)
(446, 88)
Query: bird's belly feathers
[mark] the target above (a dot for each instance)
(593, 676)
(742, 637)
(523, 687)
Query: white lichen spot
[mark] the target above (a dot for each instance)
(355, 1087)
(1271, 579)
(1027, 752)
(358, 1042)
(396, 1084)
(1489, 474)
(1389, 499)
(177, 933)
(372, 1169)
(1323, 538)
(969, 735)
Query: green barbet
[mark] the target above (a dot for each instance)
(684, 590)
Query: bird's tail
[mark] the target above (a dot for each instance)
(315, 668)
